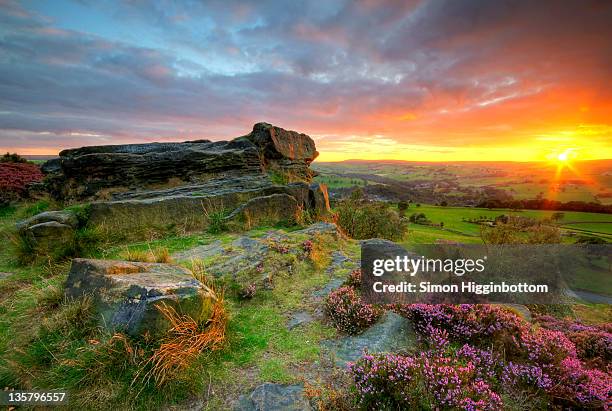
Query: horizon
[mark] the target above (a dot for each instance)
(413, 81)
(382, 160)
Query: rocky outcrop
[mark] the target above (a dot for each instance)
(126, 293)
(289, 152)
(48, 231)
(108, 172)
(157, 186)
(266, 210)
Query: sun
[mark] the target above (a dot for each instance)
(563, 157)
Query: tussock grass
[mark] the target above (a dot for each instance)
(185, 340)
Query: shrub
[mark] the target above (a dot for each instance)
(354, 279)
(430, 380)
(386, 381)
(468, 323)
(217, 222)
(348, 313)
(510, 354)
(14, 179)
(577, 385)
(12, 158)
(418, 218)
(248, 291)
(402, 206)
(593, 343)
(362, 220)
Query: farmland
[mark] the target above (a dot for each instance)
(465, 182)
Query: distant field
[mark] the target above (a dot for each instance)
(599, 225)
(586, 181)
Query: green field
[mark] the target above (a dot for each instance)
(587, 181)
(455, 229)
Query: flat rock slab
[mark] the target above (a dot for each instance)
(201, 252)
(329, 287)
(5, 275)
(275, 397)
(127, 294)
(392, 333)
(299, 318)
(319, 228)
(339, 261)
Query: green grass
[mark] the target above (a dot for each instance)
(47, 352)
(49, 343)
(452, 217)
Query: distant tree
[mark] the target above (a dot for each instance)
(444, 203)
(402, 206)
(441, 224)
(558, 216)
(363, 219)
(12, 158)
(418, 218)
(418, 204)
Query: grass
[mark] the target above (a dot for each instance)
(48, 342)
(454, 219)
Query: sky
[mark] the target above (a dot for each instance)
(371, 79)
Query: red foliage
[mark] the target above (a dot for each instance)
(14, 177)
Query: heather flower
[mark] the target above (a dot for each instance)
(471, 323)
(583, 387)
(348, 312)
(526, 375)
(307, 246)
(404, 382)
(354, 279)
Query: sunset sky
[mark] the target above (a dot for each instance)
(410, 80)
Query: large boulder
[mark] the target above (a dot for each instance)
(287, 152)
(126, 294)
(266, 210)
(49, 231)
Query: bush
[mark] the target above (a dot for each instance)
(14, 179)
(362, 220)
(593, 343)
(386, 381)
(512, 357)
(418, 218)
(467, 323)
(12, 158)
(348, 313)
(354, 279)
(428, 381)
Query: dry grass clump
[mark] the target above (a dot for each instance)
(185, 340)
(156, 255)
(319, 251)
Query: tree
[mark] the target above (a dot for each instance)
(402, 206)
(558, 216)
(12, 158)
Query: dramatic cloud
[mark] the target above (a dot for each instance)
(414, 80)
